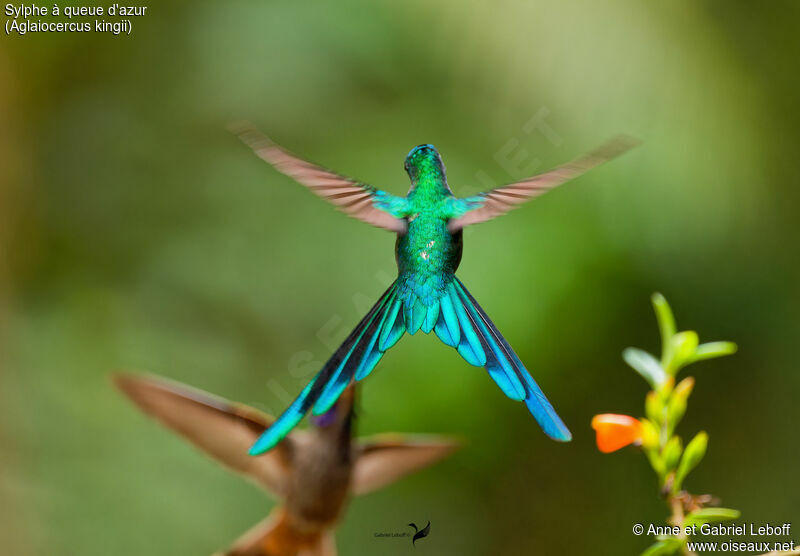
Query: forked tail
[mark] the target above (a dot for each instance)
(464, 325)
(379, 330)
(458, 321)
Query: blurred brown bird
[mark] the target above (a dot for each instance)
(313, 472)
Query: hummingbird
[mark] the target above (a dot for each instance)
(426, 296)
(313, 472)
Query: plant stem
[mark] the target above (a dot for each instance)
(676, 505)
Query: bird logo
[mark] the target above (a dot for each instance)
(420, 533)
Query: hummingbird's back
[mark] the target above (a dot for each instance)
(427, 256)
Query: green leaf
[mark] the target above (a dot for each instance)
(708, 515)
(646, 365)
(684, 345)
(649, 434)
(711, 350)
(677, 402)
(692, 455)
(666, 325)
(656, 462)
(672, 453)
(667, 546)
(684, 388)
(654, 407)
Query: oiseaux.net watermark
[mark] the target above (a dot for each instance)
(730, 537)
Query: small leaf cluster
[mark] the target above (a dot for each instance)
(665, 406)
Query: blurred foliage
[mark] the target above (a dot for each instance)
(665, 406)
(138, 234)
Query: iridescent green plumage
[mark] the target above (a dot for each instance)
(427, 254)
(427, 295)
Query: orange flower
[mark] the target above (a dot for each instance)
(616, 431)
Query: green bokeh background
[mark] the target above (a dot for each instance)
(138, 234)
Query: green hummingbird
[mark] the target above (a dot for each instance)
(313, 473)
(426, 295)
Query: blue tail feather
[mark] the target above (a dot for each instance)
(368, 364)
(500, 360)
(284, 424)
(542, 410)
(357, 353)
(431, 316)
(394, 327)
(415, 312)
(444, 333)
(498, 364)
(373, 353)
(469, 347)
(447, 324)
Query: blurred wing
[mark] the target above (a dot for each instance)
(223, 430)
(278, 535)
(359, 200)
(487, 205)
(383, 459)
(254, 538)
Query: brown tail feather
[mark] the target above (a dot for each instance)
(277, 536)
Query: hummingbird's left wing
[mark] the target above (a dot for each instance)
(354, 198)
(221, 429)
(489, 204)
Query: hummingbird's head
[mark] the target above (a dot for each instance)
(424, 162)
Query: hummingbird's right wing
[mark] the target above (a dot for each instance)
(490, 204)
(383, 459)
(221, 429)
(356, 199)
